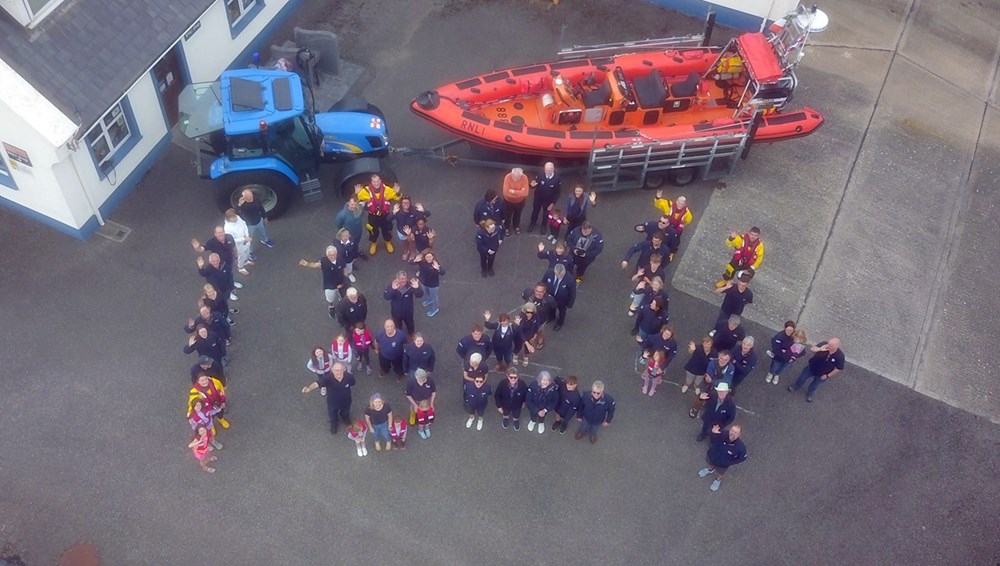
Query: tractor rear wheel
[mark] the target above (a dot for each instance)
(272, 189)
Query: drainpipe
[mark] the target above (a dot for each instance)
(72, 146)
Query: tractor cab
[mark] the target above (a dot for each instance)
(267, 139)
(265, 116)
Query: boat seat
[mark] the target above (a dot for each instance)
(601, 96)
(650, 90)
(688, 88)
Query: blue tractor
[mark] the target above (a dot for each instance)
(256, 122)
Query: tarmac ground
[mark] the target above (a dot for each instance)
(93, 380)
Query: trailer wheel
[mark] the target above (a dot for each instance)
(654, 181)
(681, 177)
(272, 189)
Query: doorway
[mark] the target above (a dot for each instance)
(169, 78)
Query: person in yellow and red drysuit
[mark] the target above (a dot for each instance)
(748, 255)
(377, 198)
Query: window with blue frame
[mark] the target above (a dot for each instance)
(241, 12)
(112, 137)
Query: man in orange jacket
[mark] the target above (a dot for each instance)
(515, 192)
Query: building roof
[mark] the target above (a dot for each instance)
(87, 53)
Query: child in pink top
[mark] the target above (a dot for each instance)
(555, 222)
(652, 375)
(361, 340)
(201, 447)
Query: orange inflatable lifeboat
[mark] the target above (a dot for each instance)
(568, 108)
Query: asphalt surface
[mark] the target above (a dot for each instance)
(94, 381)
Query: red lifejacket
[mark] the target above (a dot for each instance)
(378, 205)
(746, 254)
(676, 217)
(212, 396)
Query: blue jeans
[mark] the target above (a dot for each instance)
(778, 366)
(589, 429)
(804, 377)
(432, 297)
(259, 230)
(381, 432)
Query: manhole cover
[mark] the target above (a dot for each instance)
(114, 231)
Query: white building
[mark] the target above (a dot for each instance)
(88, 92)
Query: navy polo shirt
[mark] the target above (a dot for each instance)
(733, 301)
(823, 363)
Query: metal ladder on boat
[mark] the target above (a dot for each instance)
(642, 45)
(635, 166)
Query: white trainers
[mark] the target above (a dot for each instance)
(479, 424)
(711, 334)
(233, 297)
(768, 378)
(531, 425)
(697, 390)
(770, 354)
(360, 451)
(684, 388)
(364, 450)
(468, 423)
(352, 278)
(541, 428)
(237, 284)
(322, 391)
(775, 380)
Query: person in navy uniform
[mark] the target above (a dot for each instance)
(389, 345)
(646, 249)
(725, 449)
(735, 297)
(352, 310)
(728, 333)
(559, 254)
(337, 387)
(561, 286)
(547, 187)
(541, 399)
(827, 361)
(744, 361)
(488, 209)
(568, 404)
(509, 397)
(720, 409)
(476, 341)
(661, 225)
(418, 355)
(545, 308)
(488, 240)
(596, 411)
(400, 294)
(476, 394)
(504, 340)
(585, 243)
